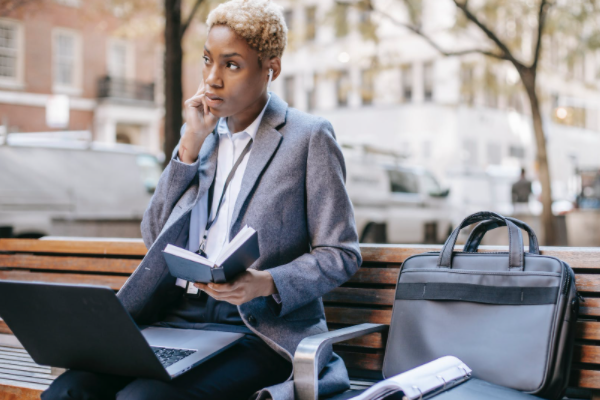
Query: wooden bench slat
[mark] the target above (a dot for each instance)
(587, 379)
(588, 330)
(31, 368)
(384, 297)
(24, 373)
(11, 390)
(16, 357)
(114, 282)
(41, 381)
(14, 350)
(387, 276)
(576, 257)
(363, 361)
(25, 355)
(21, 363)
(587, 354)
(69, 263)
(370, 341)
(588, 283)
(4, 329)
(127, 247)
(355, 316)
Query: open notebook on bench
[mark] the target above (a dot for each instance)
(446, 378)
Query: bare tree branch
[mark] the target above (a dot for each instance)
(190, 17)
(542, 13)
(489, 33)
(436, 46)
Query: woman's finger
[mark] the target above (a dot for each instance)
(195, 101)
(200, 87)
(205, 107)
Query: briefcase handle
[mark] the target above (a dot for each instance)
(476, 235)
(515, 243)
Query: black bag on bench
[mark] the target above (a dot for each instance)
(509, 316)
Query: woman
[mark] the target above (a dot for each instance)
(286, 180)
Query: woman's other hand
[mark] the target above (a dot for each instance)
(200, 122)
(247, 286)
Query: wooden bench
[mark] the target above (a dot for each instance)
(367, 297)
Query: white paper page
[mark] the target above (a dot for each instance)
(420, 380)
(188, 255)
(235, 243)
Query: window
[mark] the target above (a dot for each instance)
(117, 59)
(430, 184)
(517, 152)
(289, 19)
(342, 86)
(288, 88)
(426, 150)
(428, 81)
(66, 61)
(494, 154)
(367, 89)
(311, 22)
(120, 59)
(403, 182)
(341, 20)
(407, 82)
(469, 155)
(9, 50)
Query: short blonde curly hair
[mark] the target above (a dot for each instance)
(260, 22)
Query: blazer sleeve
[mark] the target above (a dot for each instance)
(173, 182)
(335, 254)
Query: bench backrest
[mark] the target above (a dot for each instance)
(367, 297)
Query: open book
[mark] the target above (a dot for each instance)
(235, 257)
(419, 382)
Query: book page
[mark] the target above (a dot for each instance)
(235, 243)
(188, 255)
(420, 380)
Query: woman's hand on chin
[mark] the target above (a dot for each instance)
(247, 286)
(200, 122)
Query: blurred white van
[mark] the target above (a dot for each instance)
(73, 188)
(394, 203)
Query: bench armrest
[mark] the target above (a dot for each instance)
(306, 356)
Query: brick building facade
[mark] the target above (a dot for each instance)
(73, 48)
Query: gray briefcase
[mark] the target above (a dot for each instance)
(509, 316)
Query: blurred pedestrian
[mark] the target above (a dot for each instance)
(521, 190)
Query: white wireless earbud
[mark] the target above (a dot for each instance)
(270, 77)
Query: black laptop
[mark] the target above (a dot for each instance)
(86, 328)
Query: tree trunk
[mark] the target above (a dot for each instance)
(173, 73)
(528, 77)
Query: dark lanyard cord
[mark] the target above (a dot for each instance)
(210, 222)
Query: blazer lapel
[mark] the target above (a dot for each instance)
(265, 144)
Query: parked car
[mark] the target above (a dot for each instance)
(393, 202)
(73, 188)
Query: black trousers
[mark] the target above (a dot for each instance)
(237, 373)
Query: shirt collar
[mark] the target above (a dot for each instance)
(251, 130)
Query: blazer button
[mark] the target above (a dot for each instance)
(251, 319)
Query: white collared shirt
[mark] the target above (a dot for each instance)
(230, 148)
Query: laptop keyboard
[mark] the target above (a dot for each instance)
(168, 356)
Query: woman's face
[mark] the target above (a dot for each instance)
(232, 75)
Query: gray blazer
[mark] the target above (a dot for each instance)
(293, 194)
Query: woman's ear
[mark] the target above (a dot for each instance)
(274, 64)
